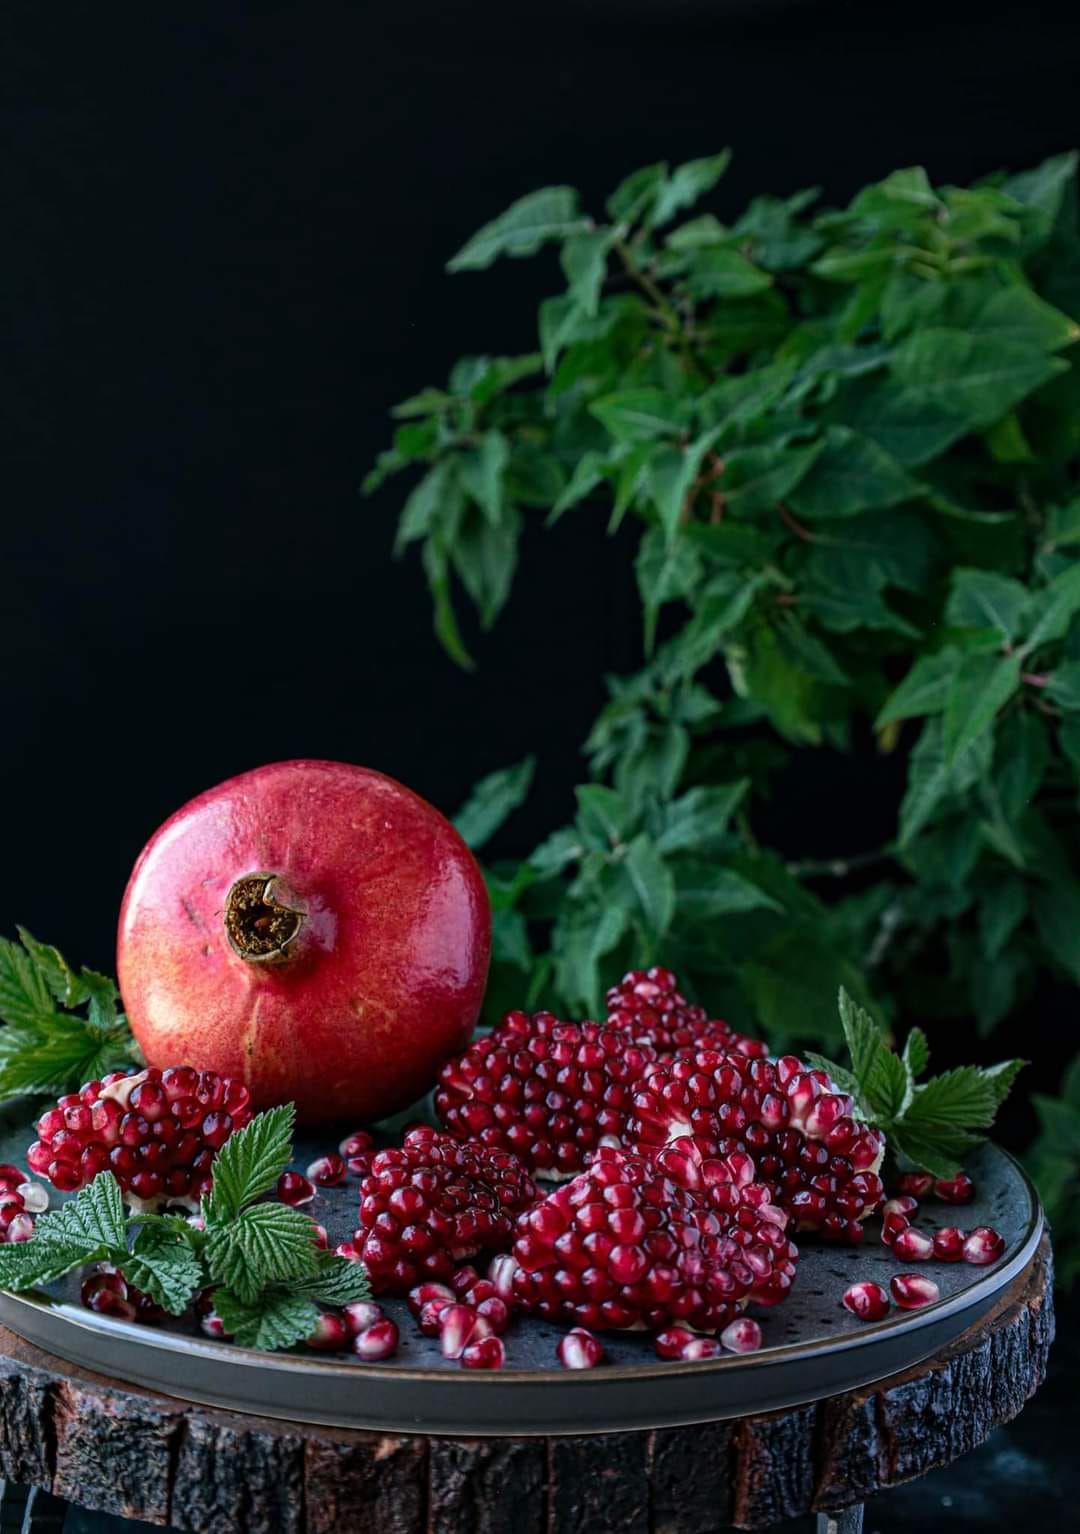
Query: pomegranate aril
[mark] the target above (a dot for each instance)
(913, 1245)
(916, 1184)
(322, 1236)
(949, 1244)
(423, 1294)
(912, 1291)
(742, 1336)
(376, 1342)
(698, 1348)
(356, 1144)
(670, 1342)
(294, 1189)
(463, 1280)
(360, 1315)
(430, 1316)
(214, 1326)
(501, 1273)
(955, 1190)
(893, 1224)
(983, 1245)
(459, 1325)
(106, 1302)
(867, 1301)
(485, 1353)
(327, 1171)
(579, 1349)
(20, 1229)
(495, 1312)
(330, 1335)
(904, 1205)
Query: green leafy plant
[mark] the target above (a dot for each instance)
(261, 1260)
(850, 440)
(48, 1044)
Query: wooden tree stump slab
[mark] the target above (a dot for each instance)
(119, 1449)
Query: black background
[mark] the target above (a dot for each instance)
(225, 236)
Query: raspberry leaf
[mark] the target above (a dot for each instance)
(163, 1265)
(337, 1282)
(250, 1162)
(917, 1053)
(263, 1244)
(492, 800)
(275, 1318)
(89, 1228)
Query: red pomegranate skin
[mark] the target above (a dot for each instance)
(382, 981)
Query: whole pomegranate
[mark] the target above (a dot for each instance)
(316, 930)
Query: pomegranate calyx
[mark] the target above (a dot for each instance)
(263, 919)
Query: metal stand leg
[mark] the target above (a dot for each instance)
(850, 1521)
(30, 1510)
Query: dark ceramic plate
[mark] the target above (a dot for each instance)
(812, 1347)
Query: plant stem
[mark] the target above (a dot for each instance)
(838, 868)
(663, 308)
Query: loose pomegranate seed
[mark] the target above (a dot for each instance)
(913, 1245)
(486, 1353)
(983, 1245)
(501, 1273)
(912, 1291)
(893, 1224)
(916, 1184)
(905, 1205)
(35, 1197)
(579, 1349)
(20, 1229)
(213, 1326)
(157, 1131)
(495, 1312)
(955, 1190)
(548, 1091)
(742, 1336)
(349, 1250)
(867, 1301)
(294, 1189)
(463, 1280)
(423, 1293)
(322, 1239)
(483, 1289)
(949, 1244)
(103, 1281)
(10, 1205)
(360, 1315)
(698, 1348)
(327, 1171)
(815, 1159)
(428, 1205)
(458, 1326)
(377, 1341)
(430, 1316)
(647, 1007)
(356, 1144)
(625, 1245)
(106, 1302)
(670, 1342)
(329, 1335)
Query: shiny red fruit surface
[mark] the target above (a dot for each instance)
(313, 929)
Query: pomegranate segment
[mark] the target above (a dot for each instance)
(313, 929)
(432, 1202)
(817, 1161)
(548, 1091)
(156, 1131)
(867, 1301)
(579, 1349)
(912, 1291)
(625, 1246)
(983, 1246)
(646, 1006)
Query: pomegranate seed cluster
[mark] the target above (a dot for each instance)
(548, 1091)
(625, 1246)
(433, 1202)
(647, 1006)
(156, 1131)
(20, 1201)
(817, 1161)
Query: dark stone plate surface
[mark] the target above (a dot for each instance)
(812, 1346)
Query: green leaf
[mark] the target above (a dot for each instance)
(698, 820)
(887, 1087)
(931, 780)
(850, 475)
(549, 214)
(755, 478)
(64, 1051)
(25, 996)
(671, 475)
(482, 473)
(1053, 609)
(1021, 754)
(916, 1053)
(560, 849)
(427, 402)
(251, 1161)
(637, 193)
(1002, 907)
(338, 1281)
(584, 260)
(685, 185)
(580, 939)
(1017, 314)
(923, 691)
(589, 471)
(66, 986)
(88, 1228)
(652, 883)
(163, 1265)
(635, 414)
(485, 560)
(962, 1098)
(862, 1036)
(720, 272)
(422, 509)
(911, 425)
(982, 685)
(975, 377)
(716, 617)
(275, 1319)
(705, 892)
(1056, 908)
(665, 571)
(265, 1243)
(984, 599)
(493, 800)
(1063, 686)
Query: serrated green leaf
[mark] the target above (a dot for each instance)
(338, 1281)
(704, 892)
(584, 260)
(25, 997)
(652, 883)
(923, 691)
(589, 471)
(493, 800)
(272, 1320)
(90, 1224)
(981, 686)
(636, 193)
(861, 1035)
(756, 478)
(265, 1243)
(939, 1149)
(251, 1161)
(916, 1053)
(671, 474)
(974, 377)
(66, 986)
(685, 185)
(581, 939)
(698, 819)
(549, 214)
(1053, 609)
(962, 1098)
(718, 271)
(1002, 907)
(886, 1089)
(484, 557)
(425, 503)
(482, 473)
(603, 814)
(983, 599)
(163, 1265)
(1056, 909)
(631, 415)
(931, 780)
(851, 474)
